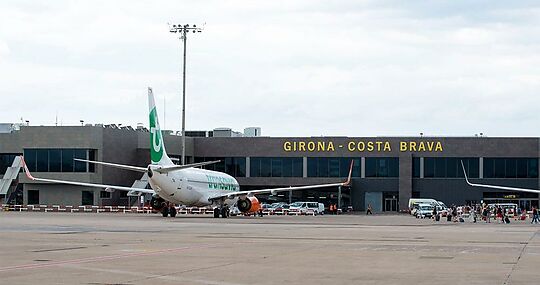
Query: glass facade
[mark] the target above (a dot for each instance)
(234, 166)
(510, 167)
(332, 166)
(382, 167)
(450, 167)
(416, 167)
(275, 167)
(6, 160)
(59, 160)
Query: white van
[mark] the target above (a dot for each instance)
(303, 208)
(414, 202)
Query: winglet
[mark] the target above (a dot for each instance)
(28, 174)
(465, 173)
(348, 182)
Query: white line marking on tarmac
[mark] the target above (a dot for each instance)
(101, 258)
(151, 276)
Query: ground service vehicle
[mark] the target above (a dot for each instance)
(414, 202)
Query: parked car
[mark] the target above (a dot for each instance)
(279, 209)
(424, 210)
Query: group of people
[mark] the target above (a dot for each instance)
(486, 212)
(333, 209)
(502, 214)
(451, 214)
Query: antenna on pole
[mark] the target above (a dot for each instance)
(184, 31)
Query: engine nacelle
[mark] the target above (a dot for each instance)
(157, 203)
(248, 205)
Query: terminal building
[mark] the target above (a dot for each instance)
(387, 171)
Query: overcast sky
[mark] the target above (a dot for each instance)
(294, 68)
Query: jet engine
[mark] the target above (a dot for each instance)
(248, 205)
(157, 203)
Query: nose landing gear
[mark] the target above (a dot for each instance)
(169, 209)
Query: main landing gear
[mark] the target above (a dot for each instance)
(169, 209)
(221, 211)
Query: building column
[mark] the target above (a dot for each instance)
(405, 181)
(481, 168)
(421, 167)
(362, 167)
(304, 166)
(248, 166)
(339, 197)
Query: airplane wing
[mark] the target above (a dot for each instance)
(121, 166)
(108, 188)
(160, 169)
(273, 191)
(495, 186)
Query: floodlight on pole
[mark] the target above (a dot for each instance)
(184, 30)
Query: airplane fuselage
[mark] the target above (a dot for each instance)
(193, 186)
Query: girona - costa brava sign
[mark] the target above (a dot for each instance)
(362, 146)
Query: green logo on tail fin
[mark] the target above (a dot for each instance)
(156, 138)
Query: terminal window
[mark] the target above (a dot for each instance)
(382, 167)
(450, 167)
(332, 166)
(59, 160)
(510, 167)
(275, 167)
(416, 167)
(104, 194)
(6, 160)
(234, 166)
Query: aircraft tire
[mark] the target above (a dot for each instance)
(172, 212)
(224, 212)
(165, 212)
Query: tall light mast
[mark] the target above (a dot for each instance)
(184, 31)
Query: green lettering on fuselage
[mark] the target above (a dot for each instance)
(222, 183)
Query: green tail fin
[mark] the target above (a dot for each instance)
(158, 155)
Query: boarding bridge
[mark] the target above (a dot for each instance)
(11, 175)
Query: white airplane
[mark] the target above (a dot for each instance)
(186, 184)
(496, 186)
